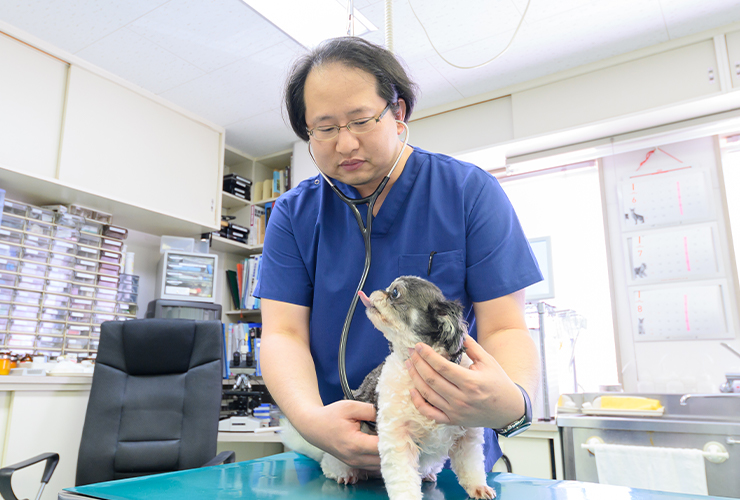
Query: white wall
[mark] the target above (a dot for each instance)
(566, 206)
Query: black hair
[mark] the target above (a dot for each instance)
(391, 79)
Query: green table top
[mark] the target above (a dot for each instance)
(289, 475)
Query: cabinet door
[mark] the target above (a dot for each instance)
(531, 457)
(124, 146)
(31, 105)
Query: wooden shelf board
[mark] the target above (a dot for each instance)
(221, 244)
(228, 200)
(244, 312)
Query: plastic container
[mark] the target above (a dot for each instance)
(26, 297)
(40, 214)
(95, 332)
(79, 316)
(22, 326)
(4, 324)
(5, 309)
(59, 273)
(32, 269)
(111, 257)
(82, 290)
(77, 343)
(104, 306)
(67, 234)
(56, 286)
(83, 278)
(127, 297)
(51, 314)
(109, 269)
(68, 220)
(119, 233)
(51, 327)
(39, 228)
(31, 283)
(108, 281)
(9, 250)
(129, 279)
(24, 311)
(90, 239)
(48, 342)
(111, 244)
(106, 294)
(99, 318)
(9, 265)
(8, 279)
(87, 252)
(10, 222)
(176, 243)
(10, 236)
(126, 308)
(91, 227)
(15, 208)
(51, 300)
(62, 260)
(78, 330)
(81, 304)
(34, 255)
(37, 242)
(129, 288)
(6, 294)
(88, 266)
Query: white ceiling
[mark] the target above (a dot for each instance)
(222, 61)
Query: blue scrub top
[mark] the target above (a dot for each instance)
(313, 255)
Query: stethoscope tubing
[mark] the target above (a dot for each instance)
(366, 230)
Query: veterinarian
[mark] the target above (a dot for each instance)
(438, 218)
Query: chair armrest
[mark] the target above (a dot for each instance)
(6, 490)
(225, 457)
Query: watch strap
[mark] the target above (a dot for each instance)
(522, 423)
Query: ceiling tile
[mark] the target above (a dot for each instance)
(245, 88)
(208, 34)
(686, 17)
(139, 61)
(543, 9)
(434, 89)
(262, 134)
(72, 25)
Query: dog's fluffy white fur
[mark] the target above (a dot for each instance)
(412, 447)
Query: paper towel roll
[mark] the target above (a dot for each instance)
(677, 470)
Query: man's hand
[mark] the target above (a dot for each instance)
(335, 428)
(481, 396)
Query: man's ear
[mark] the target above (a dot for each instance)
(400, 112)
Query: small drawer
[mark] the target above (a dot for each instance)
(5, 309)
(110, 257)
(9, 250)
(119, 233)
(24, 297)
(109, 269)
(62, 260)
(126, 308)
(79, 316)
(131, 279)
(85, 212)
(56, 286)
(22, 326)
(52, 314)
(82, 290)
(92, 240)
(106, 294)
(87, 252)
(68, 220)
(31, 283)
(80, 303)
(104, 306)
(67, 234)
(89, 266)
(38, 242)
(15, 223)
(4, 325)
(127, 297)
(63, 247)
(10, 236)
(8, 279)
(90, 227)
(129, 288)
(78, 330)
(31, 269)
(34, 255)
(77, 343)
(40, 214)
(95, 332)
(39, 228)
(51, 300)
(6, 294)
(22, 311)
(60, 273)
(49, 342)
(111, 244)
(15, 208)
(102, 318)
(9, 265)
(108, 281)
(94, 344)
(123, 318)
(21, 341)
(50, 327)
(83, 278)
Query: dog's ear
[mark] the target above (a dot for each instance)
(448, 319)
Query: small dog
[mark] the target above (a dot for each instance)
(412, 447)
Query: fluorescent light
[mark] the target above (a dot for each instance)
(310, 22)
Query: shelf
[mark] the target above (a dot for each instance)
(221, 244)
(244, 312)
(228, 200)
(262, 203)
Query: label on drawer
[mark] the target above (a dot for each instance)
(176, 290)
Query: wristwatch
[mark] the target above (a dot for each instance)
(521, 424)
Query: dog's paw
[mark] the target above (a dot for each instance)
(351, 477)
(430, 478)
(340, 472)
(481, 492)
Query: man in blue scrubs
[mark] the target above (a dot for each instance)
(438, 218)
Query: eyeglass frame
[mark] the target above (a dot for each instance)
(349, 123)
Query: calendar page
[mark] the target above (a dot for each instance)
(664, 198)
(686, 312)
(683, 253)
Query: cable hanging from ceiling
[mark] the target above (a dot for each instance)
(477, 65)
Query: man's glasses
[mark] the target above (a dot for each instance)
(359, 126)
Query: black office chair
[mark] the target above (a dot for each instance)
(154, 403)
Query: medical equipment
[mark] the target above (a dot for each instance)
(365, 230)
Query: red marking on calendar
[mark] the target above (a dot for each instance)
(659, 172)
(686, 252)
(680, 204)
(686, 311)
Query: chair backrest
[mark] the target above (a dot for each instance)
(155, 399)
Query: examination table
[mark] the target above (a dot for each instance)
(289, 475)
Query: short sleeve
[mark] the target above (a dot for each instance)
(283, 274)
(499, 260)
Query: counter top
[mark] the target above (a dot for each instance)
(45, 383)
(289, 475)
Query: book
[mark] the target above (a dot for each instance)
(268, 211)
(233, 287)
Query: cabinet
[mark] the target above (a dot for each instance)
(534, 453)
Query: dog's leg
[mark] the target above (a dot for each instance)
(467, 461)
(333, 468)
(399, 463)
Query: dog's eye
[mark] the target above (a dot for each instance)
(394, 293)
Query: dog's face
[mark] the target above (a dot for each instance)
(414, 310)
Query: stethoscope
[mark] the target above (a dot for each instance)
(365, 230)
